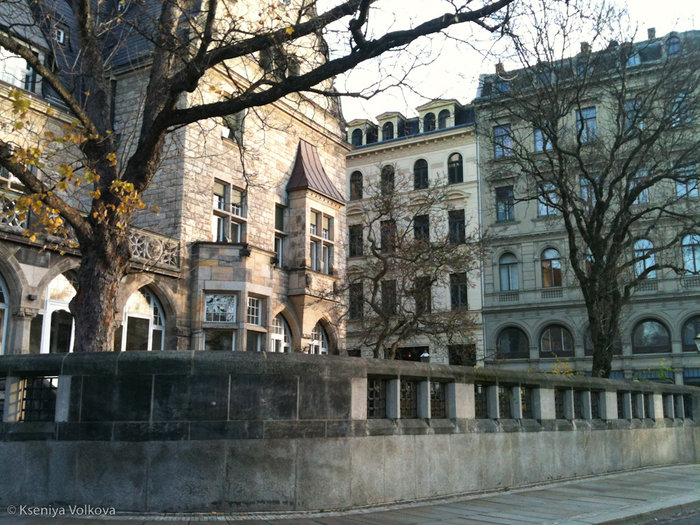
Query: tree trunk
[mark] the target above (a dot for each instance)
(604, 319)
(105, 261)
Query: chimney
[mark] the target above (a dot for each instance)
(585, 48)
(500, 70)
(651, 33)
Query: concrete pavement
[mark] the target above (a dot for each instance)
(654, 495)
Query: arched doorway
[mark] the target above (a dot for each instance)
(319, 340)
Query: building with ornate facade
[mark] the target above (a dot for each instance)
(248, 239)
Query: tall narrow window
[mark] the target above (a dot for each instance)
(691, 329)
(422, 295)
(455, 169)
(143, 327)
(420, 174)
(456, 227)
(254, 314)
(443, 118)
(542, 142)
(547, 199)
(428, 122)
(319, 341)
(508, 272)
(690, 247)
(389, 297)
(388, 236)
(502, 142)
(633, 121)
(551, 268)
(220, 309)
(587, 124)
(639, 179)
(421, 228)
(356, 300)
(588, 190)
(355, 186)
(505, 204)
(280, 234)
(280, 336)
(229, 213)
(388, 131)
(355, 241)
(387, 180)
(673, 46)
(458, 291)
(321, 246)
(356, 137)
(644, 258)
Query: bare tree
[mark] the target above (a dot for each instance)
(266, 53)
(602, 139)
(404, 251)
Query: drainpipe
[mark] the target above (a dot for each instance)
(481, 232)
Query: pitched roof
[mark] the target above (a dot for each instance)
(308, 173)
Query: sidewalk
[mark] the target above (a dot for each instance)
(638, 497)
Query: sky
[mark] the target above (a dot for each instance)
(455, 68)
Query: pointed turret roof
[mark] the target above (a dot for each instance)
(308, 173)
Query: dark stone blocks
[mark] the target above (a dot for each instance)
(190, 398)
(263, 397)
(129, 399)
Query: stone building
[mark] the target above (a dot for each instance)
(433, 152)
(533, 311)
(248, 239)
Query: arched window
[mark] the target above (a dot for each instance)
(551, 268)
(280, 337)
(691, 329)
(420, 174)
(512, 344)
(388, 131)
(356, 139)
(556, 341)
(4, 309)
(319, 341)
(387, 182)
(674, 46)
(429, 122)
(508, 272)
(691, 253)
(143, 327)
(443, 117)
(644, 258)
(355, 185)
(52, 331)
(455, 172)
(650, 337)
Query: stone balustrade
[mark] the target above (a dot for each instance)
(254, 431)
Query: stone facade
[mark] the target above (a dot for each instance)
(226, 231)
(520, 307)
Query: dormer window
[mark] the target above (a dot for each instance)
(388, 131)
(443, 118)
(356, 137)
(59, 35)
(428, 122)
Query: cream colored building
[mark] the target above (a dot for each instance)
(437, 150)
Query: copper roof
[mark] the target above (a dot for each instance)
(308, 173)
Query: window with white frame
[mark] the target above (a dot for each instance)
(321, 247)
(508, 272)
(550, 264)
(143, 327)
(280, 337)
(644, 258)
(229, 213)
(319, 341)
(547, 199)
(254, 312)
(280, 235)
(16, 71)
